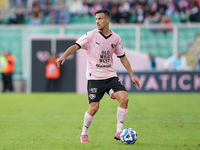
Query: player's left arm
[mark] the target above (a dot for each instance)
(124, 60)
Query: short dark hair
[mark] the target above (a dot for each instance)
(105, 11)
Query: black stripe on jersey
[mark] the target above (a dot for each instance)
(78, 45)
(121, 56)
(105, 36)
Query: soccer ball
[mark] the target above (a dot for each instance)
(128, 136)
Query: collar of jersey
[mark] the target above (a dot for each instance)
(106, 37)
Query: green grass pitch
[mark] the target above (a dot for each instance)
(53, 121)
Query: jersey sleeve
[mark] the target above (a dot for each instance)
(119, 48)
(83, 41)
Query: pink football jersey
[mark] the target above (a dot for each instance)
(100, 51)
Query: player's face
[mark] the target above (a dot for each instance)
(101, 20)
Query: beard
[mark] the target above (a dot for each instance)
(100, 27)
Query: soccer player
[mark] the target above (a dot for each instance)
(100, 44)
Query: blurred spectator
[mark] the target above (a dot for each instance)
(144, 5)
(48, 2)
(64, 16)
(140, 14)
(152, 62)
(53, 19)
(124, 10)
(115, 16)
(162, 7)
(171, 8)
(35, 3)
(182, 9)
(115, 3)
(75, 6)
(58, 5)
(149, 2)
(36, 16)
(95, 7)
(133, 4)
(148, 19)
(52, 73)
(17, 17)
(40, 3)
(176, 62)
(3, 61)
(156, 18)
(166, 20)
(153, 7)
(8, 71)
(106, 4)
(183, 5)
(85, 9)
(193, 11)
(47, 10)
(19, 3)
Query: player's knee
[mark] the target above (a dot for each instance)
(123, 102)
(93, 109)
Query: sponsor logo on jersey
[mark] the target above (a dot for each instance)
(103, 66)
(92, 96)
(104, 57)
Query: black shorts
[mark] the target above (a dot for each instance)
(97, 88)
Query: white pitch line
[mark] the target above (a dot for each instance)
(99, 116)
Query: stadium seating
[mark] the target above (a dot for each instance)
(152, 41)
(157, 42)
(175, 19)
(42, 31)
(85, 19)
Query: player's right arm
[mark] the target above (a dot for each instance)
(68, 52)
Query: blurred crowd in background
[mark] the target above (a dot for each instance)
(122, 11)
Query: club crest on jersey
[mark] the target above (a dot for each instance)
(92, 96)
(113, 45)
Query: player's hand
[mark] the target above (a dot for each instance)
(60, 60)
(136, 82)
